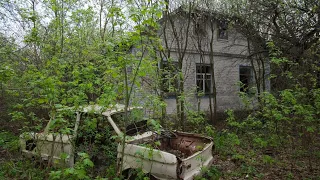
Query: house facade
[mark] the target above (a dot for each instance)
(210, 55)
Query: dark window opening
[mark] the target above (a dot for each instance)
(223, 30)
(203, 78)
(200, 29)
(245, 78)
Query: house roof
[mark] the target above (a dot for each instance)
(183, 10)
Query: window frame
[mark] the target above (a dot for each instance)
(204, 79)
(245, 87)
(223, 27)
(200, 28)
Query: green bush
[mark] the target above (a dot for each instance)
(212, 173)
(79, 171)
(226, 142)
(9, 141)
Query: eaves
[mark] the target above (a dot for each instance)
(221, 54)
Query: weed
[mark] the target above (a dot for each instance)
(212, 173)
(9, 141)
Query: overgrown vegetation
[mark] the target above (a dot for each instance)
(72, 53)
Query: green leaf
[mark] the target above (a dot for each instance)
(88, 162)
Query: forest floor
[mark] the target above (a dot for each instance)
(240, 163)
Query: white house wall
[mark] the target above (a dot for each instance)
(227, 80)
(228, 56)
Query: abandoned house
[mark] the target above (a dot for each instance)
(211, 56)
